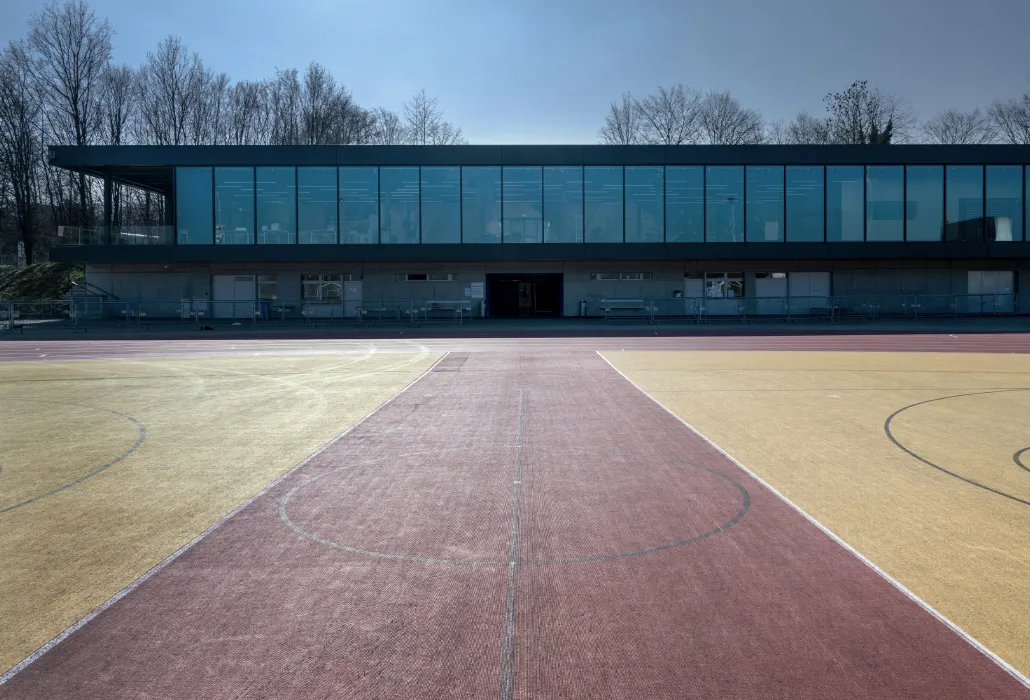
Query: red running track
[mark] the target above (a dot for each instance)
(517, 525)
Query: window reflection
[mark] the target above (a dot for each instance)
(645, 204)
(359, 205)
(964, 207)
(685, 204)
(194, 209)
(844, 203)
(399, 205)
(234, 206)
(316, 205)
(724, 204)
(885, 187)
(481, 204)
(523, 205)
(441, 205)
(602, 189)
(1004, 206)
(563, 205)
(925, 205)
(276, 205)
(764, 204)
(804, 194)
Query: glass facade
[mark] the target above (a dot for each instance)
(600, 204)
(924, 203)
(685, 204)
(563, 205)
(804, 195)
(441, 205)
(1004, 205)
(234, 206)
(277, 205)
(964, 203)
(194, 211)
(523, 205)
(316, 205)
(764, 204)
(602, 191)
(724, 204)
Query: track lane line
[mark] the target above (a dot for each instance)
(1005, 666)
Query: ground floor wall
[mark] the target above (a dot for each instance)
(583, 284)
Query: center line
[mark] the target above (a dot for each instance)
(508, 641)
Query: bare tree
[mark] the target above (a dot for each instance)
(169, 88)
(863, 115)
(953, 126)
(424, 124)
(670, 116)
(321, 106)
(723, 121)
(621, 124)
(208, 121)
(803, 129)
(387, 128)
(117, 106)
(246, 121)
(284, 104)
(1012, 119)
(20, 111)
(71, 49)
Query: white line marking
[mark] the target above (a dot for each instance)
(24, 663)
(1007, 667)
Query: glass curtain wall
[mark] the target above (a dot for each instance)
(481, 204)
(522, 205)
(845, 203)
(764, 204)
(316, 205)
(685, 204)
(563, 205)
(359, 205)
(724, 204)
(645, 204)
(441, 205)
(924, 209)
(277, 206)
(194, 208)
(234, 206)
(1004, 205)
(804, 195)
(602, 190)
(964, 206)
(885, 203)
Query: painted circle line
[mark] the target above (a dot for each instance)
(897, 443)
(1018, 459)
(76, 482)
(745, 505)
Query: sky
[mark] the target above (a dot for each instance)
(545, 71)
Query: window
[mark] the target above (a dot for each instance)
(1004, 206)
(523, 205)
(724, 204)
(685, 204)
(645, 205)
(428, 277)
(621, 276)
(764, 204)
(316, 205)
(234, 206)
(399, 205)
(359, 205)
(724, 285)
(602, 189)
(277, 205)
(441, 205)
(964, 207)
(326, 287)
(563, 205)
(925, 202)
(844, 203)
(266, 287)
(194, 210)
(481, 205)
(804, 194)
(885, 187)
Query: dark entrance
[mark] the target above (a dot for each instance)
(518, 295)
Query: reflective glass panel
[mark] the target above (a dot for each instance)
(359, 205)
(764, 204)
(523, 205)
(441, 205)
(277, 205)
(685, 204)
(481, 204)
(602, 188)
(194, 209)
(1004, 206)
(645, 204)
(885, 203)
(805, 203)
(316, 205)
(724, 204)
(844, 203)
(925, 202)
(964, 207)
(399, 205)
(563, 205)
(234, 206)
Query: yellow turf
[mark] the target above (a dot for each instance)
(812, 425)
(217, 431)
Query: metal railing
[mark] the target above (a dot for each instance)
(116, 235)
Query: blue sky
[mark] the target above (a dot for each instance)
(538, 71)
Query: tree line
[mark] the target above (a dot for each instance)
(60, 85)
(860, 114)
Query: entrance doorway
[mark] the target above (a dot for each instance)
(519, 295)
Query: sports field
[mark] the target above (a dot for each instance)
(554, 518)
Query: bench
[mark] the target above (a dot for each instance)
(381, 313)
(628, 309)
(442, 311)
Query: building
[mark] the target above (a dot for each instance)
(556, 230)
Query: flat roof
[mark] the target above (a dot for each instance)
(152, 167)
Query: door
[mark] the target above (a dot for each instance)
(808, 290)
(351, 298)
(770, 293)
(233, 296)
(991, 292)
(526, 299)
